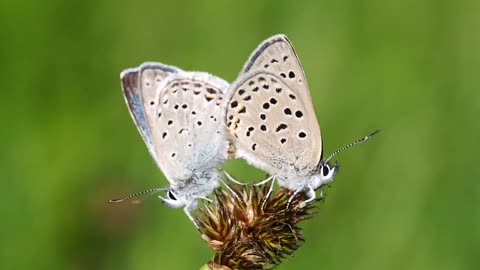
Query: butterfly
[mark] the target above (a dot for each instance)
(179, 115)
(271, 117)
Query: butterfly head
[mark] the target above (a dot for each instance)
(324, 175)
(175, 199)
(186, 194)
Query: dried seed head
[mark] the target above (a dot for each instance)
(247, 236)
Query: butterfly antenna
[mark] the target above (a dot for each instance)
(352, 144)
(145, 192)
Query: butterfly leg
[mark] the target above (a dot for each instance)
(206, 199)
(230, 178)
(188, 211)
(270, 189)
(310, 193)
(293, 196)
(229, 188)
(265, 181)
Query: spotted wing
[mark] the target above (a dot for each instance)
(139, 89)
(270, 112)
(188, 132)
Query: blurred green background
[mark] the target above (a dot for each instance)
(409, 199)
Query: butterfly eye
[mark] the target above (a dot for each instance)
(171, 196)
(325, 170)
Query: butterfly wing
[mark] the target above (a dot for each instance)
(188, 132)
(139, 89)
(270, 112)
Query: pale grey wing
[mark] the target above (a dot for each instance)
(276, 55)
(189, 134)
(151, 77)
(271, 125)
(133, 98)
(137, 94)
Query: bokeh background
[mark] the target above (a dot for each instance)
(409, 199)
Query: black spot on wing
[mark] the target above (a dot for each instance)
(211, 90)
(281, 127)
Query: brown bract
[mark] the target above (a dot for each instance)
(247, 236)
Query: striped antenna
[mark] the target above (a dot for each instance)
(146, 192)
(352, 144)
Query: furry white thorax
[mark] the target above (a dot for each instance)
(313, 181)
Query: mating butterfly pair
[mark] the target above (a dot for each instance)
(191, 122)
